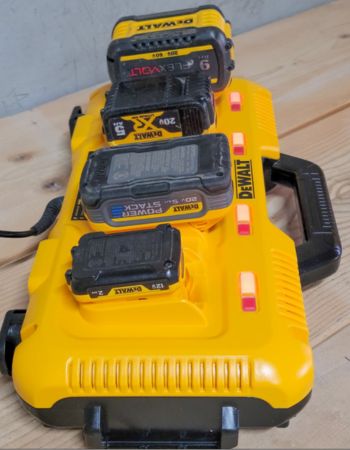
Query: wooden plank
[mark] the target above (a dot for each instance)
(34, 168)
(324, 423)
(326, 143)
(304, 60)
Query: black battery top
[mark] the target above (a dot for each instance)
(180, 106)
(102, 262)
(196, 163)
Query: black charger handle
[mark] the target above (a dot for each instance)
(319, 254)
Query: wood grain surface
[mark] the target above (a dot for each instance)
(305, 61)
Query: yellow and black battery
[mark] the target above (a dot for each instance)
(124, 266)
(176, 42)
(186, 179)
(158, 108)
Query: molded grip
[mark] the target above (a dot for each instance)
(319, 255)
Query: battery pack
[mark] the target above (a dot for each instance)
(177, 42)
(186, 179)
(130, 265)
(158, 108)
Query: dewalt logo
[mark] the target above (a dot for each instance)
(165, 24)
(244, 179)
(128, 290)
(145, 127)
(188, 207)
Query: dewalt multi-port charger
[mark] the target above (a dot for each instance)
(165, 308)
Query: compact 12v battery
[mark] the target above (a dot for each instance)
(126, 265)
(177, 42)
(158, 108)
(186, 179)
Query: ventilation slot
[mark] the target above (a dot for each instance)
(264, 112)
(160, 43)
(168, 376)
(289, 296)
(191, 122)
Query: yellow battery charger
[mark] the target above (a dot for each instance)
(173, 370)
(173, 335)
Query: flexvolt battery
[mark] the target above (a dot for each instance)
(177, 43)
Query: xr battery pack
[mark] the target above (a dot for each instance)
(158, 108)
(177, 43)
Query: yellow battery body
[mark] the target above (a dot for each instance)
(233, 336)
(176, 43)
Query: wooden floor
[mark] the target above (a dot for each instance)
(305, 61)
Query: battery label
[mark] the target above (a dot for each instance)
(112, 291)
(140, 127)
(191, 205)
(176, 62)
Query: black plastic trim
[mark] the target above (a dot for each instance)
(76, 113)
(319, 256)
(10, 337)
(163, 422)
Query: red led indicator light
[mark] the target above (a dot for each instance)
(248, 291)
(235, 101)
(248, 304)
(243, 219)
(238, 143)
(244, 229)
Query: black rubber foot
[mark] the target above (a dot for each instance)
(97, 435)
(10, 337)
(284, 425)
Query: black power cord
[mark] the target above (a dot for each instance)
(46, 220)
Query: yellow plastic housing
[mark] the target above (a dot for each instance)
(201, 342)
(203, 18)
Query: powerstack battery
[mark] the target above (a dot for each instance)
(182, 179)
(131, 265)
(158, 108)
(177, 42)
